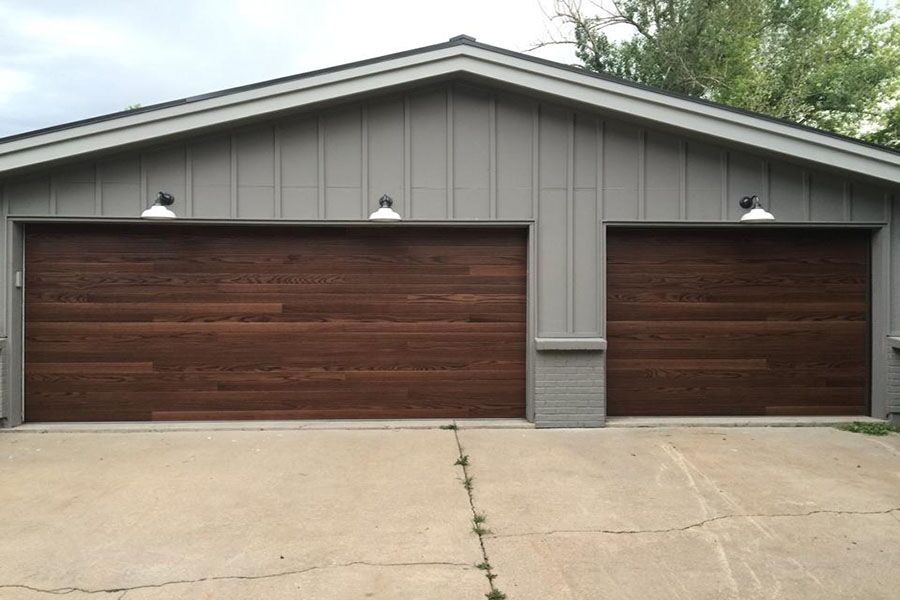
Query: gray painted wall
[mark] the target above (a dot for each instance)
(463, 153)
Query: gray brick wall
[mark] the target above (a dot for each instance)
(569, 389)
(893, 384)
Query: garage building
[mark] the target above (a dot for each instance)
(569, 247)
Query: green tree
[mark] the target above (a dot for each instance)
(831, 64)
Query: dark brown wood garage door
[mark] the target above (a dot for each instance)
(148, 322)
(737, 322)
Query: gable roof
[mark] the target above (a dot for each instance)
(461, 55)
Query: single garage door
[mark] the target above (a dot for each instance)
(146, 322)
(737, 322)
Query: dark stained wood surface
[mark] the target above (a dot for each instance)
(146, 322)
(737, 322)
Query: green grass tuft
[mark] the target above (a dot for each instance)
(870, 428)
(462, 461)
(484, 566)
(450, 427)
(495, 595)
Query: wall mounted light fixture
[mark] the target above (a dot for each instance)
(385, 211)
(160, 209)
(756, 213)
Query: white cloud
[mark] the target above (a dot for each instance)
(13, 83)
(65, 60)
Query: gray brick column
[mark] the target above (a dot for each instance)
(569, 389)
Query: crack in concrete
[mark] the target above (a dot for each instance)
(698, 524)
(61, 591)
(489, 571)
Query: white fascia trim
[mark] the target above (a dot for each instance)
(604, 94)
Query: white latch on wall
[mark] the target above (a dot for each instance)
(19, 279)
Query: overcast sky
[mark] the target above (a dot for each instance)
(62, 60)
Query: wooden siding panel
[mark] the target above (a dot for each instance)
(28, 197)
(826, 197)
(787, 193)
(621, 160)
(385, 140)
(705, 179)
(585, 269)
(514, 159)
(428, 155)
(471, 154)
(551, 262)
(76, 190)
(663, 178)
(255, 154)
(868, 203)
(343, 164)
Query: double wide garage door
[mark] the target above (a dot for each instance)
(742, 321)
(145, 322)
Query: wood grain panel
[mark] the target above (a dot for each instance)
(161, 322)
(737, 322)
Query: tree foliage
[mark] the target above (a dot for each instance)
(831, 64)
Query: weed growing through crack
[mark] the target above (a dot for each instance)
(478, 519)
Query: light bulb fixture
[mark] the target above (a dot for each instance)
(385, 211)
(756, 213)
(160, 209)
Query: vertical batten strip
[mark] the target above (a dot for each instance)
(570, 225)
(807, 196)
(492, 153)
(724, 160)
(233, 204)
(276, 170)
(451, 176)
(535, 160)
(600, 249)
(98, 189)
(407, 158)
(642, 174)
(536, 207)
(188, 181)
(893, 316)
(364, 162)
(766, 186)
(682, 180)
(320, 170)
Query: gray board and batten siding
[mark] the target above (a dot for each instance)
(469, 153)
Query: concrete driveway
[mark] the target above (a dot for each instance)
(616, 513)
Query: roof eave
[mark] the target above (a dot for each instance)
(443, 61)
